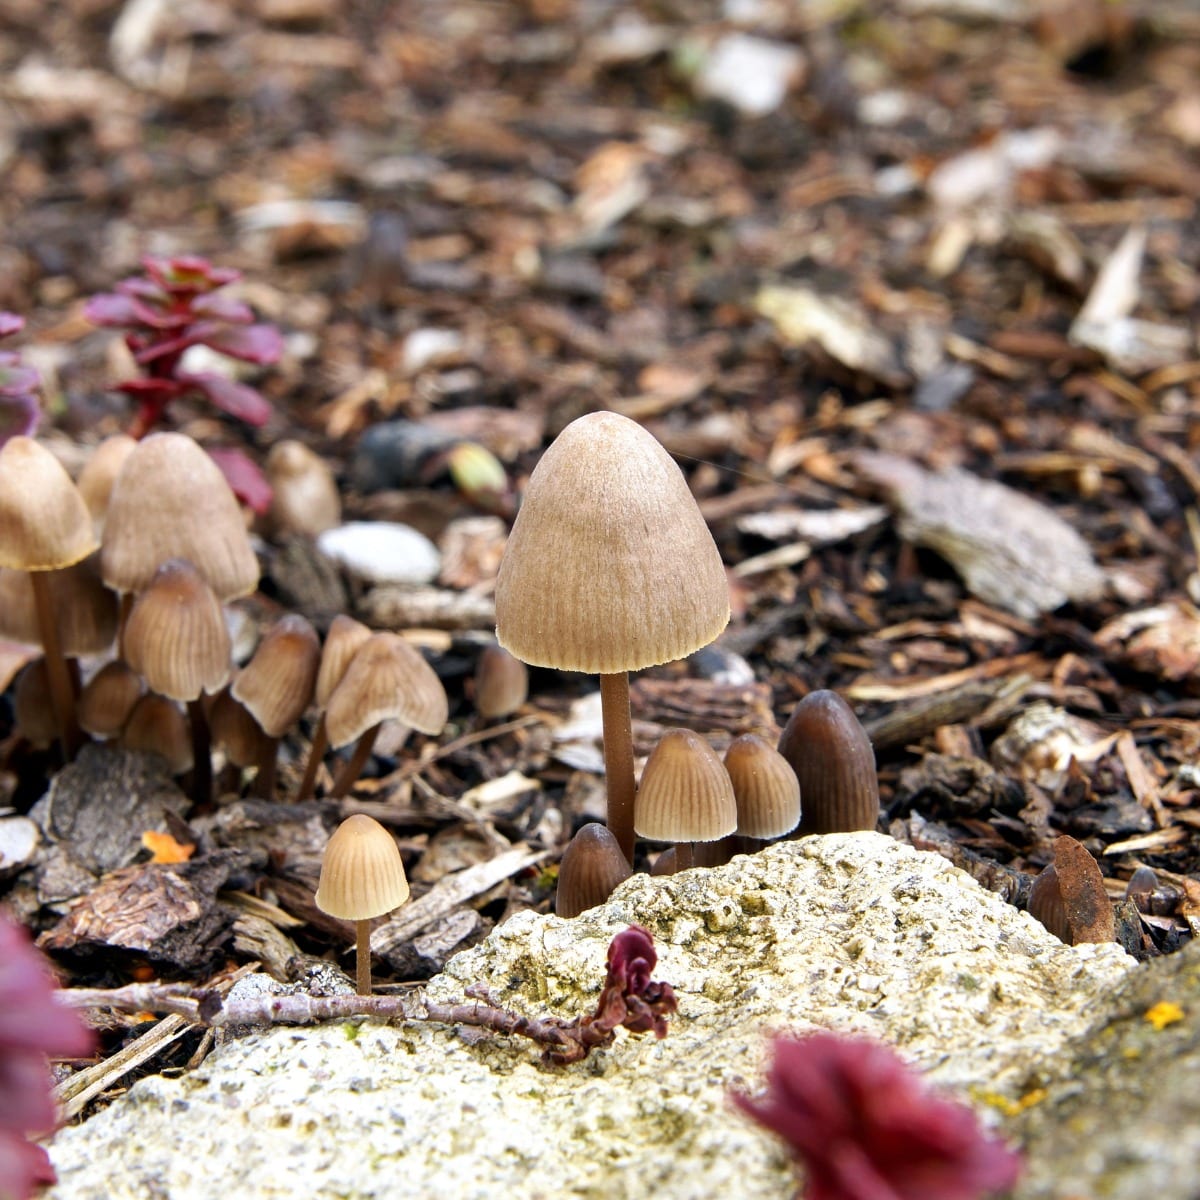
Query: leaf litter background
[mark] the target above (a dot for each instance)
(910, 291)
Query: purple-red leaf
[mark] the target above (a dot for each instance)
(10, 323)
(250, 343)
(24, 1167)
(237, 399)
(223, 308)
(111, 309)
(244, 477)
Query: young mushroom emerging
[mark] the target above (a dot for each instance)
(592, 866)
(686, 795)
(501, 683)
(832, 757)
(362, 877)
(766, 788)
(609, 568)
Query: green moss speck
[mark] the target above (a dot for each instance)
(350, 1029)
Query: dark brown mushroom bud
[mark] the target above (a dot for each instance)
(592, 866)
(829, 750)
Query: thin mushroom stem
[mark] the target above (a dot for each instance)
(353, 766)
(618, 759)
(62, 691)
(362, 957)
(316, 752)
(685, 856)
(202, 776)
(264, 781)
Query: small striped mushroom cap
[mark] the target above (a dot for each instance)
(685, 794)
(766, 788)
(277, 684)
(176, 637)
(386, 679)
(362, 874)
(108, 698)
(609, 566)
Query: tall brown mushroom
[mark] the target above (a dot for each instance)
(609, 568)
(44, 526)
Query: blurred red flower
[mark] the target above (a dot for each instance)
(32, 1026)
(866, 1126)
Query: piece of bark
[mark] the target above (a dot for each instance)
(1010, 550)
(447, 895)
(169, 913)
(99, 806)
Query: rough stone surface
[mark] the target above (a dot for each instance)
(853, 932)
(1121, 1113)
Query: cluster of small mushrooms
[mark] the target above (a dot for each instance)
(136, 561)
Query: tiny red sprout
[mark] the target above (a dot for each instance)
(19, 409)
(165, 312)
(32, 1026)
(866, 1126)
(630, 997)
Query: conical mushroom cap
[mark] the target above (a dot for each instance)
(342, 641)
(170, 500)
(610, 566)
(386, 678)
(276, 685)
(685, 794)
(44, 523)
(362, 874)
(100, 472)
(176, 637)
(766, 788)
(108, 699)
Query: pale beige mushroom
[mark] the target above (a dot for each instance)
(362, 877)
(609, 568)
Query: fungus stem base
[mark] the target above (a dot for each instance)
(320, 743)
(353, 766)
(618, 759)
(362, 957)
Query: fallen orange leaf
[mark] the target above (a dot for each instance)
(165, 849)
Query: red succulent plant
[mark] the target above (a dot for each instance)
(174, 306)
(32, 1026)
(19, 409)
(866, 1126)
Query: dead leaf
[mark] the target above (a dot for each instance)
(165, 849)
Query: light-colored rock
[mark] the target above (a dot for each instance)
(752, 74)
(381, 552)
(852, 932)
